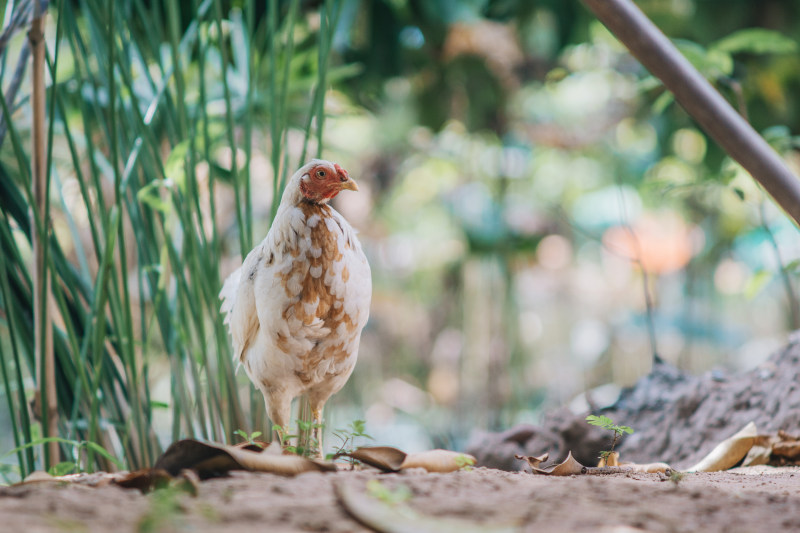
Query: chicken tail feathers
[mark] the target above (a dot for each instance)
(228, 295)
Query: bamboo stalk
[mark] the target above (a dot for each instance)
(699, 98)
(44, 356)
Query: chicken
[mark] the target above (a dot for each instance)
(297, 305)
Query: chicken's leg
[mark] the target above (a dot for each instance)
(316, 411)
(279, 410)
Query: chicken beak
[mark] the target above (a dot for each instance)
(349, 185)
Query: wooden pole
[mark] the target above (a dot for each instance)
(699, 98)
(43, 331)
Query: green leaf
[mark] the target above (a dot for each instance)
(175, 166)
(102, 451)
(756, 283)
(62, 469)
(712, 64)
(150, 196)
(601, 421)
(756, 41)
(662, 102)
(624, 429)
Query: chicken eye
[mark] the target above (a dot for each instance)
(320, 174)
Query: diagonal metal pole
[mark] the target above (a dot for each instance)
(699, 98)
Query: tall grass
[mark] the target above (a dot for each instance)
(143, 99)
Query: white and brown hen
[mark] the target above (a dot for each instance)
(297, 305)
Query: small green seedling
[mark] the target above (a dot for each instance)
(249, 439)
(356, 429)
(675, 476)
(606, 423)
(308, 448)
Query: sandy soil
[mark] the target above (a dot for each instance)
(766, 499)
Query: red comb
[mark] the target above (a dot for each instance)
(340, 170)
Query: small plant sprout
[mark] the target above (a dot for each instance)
(606, 423)
(308, 448)
(249, 439)
(307, 445)
(356, 429)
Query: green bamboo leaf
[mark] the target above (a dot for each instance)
(105, 453)
(150, 195)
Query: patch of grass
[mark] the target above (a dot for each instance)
(141, 103)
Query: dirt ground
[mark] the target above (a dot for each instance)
(765, 499)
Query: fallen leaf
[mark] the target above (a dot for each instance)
(38, 476)
(569, 467)
(758, 455)
(534, 461)
(728, 452)
(384, 458)
(210, 460)
(441, 461)
(400, 518)
(787, 449)
(145, 480)
(388, 459)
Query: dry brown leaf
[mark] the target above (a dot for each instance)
(787, 449)
(390, 459)
(384, 458)
(758, 455)
(728, 452)
(569, 467)
(210, 460)
(145, 480)
(441, 461)
(533, 461)
(39, 476)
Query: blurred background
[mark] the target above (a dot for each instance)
(539, 215)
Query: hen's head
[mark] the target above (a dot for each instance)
(321, 180)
